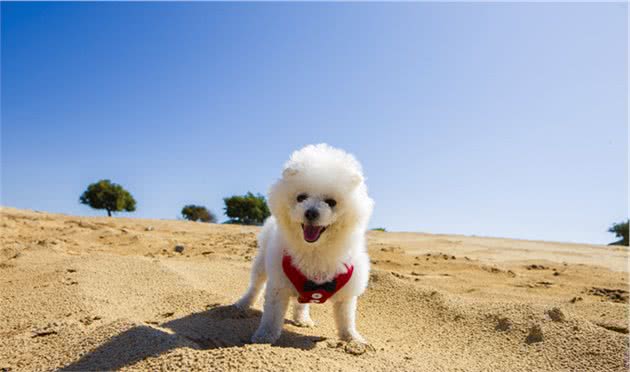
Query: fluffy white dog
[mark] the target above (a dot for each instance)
(313, 246)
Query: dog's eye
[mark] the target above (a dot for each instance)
(300, 198)
(331, 202)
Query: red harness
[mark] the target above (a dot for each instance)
(310, 291)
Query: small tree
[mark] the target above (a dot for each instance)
(248, 209)
(621, 231)
(109, 196)
(198, 213)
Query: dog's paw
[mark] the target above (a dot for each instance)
(306, 323)
(353, 337)
(242, 304)
(264, 336)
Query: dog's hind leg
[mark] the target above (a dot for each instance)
(256, 284)
(301, 316)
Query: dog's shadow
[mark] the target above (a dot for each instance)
(221, 326)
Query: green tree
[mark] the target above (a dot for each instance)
(109, 196)
(198, 213)
(248, 209)
(621, 231)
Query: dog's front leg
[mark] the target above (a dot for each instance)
(276, 303)
(345, 318)
(301, 316)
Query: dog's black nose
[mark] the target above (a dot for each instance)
(311, 214)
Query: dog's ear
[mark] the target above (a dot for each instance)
(290, 171)
(356, 179)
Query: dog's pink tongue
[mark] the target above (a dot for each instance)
(311, 232)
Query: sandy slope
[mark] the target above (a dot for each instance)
(111, 293)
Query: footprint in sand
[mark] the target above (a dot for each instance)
(535, 335)
(503, 325)
(556, 315)
(614, 295)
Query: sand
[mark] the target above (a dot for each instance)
(81, 293)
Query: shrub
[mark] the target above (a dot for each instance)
(621, 231)
(248, 209)
(198, 213)
(109, 196)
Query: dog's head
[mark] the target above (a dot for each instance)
(321, 197)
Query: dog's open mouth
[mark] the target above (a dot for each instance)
(312, 232)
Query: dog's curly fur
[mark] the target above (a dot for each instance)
(322, 189)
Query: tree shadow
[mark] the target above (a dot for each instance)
(222, 326)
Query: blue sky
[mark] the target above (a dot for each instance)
(488, 119)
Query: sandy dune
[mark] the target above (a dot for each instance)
(112, 293)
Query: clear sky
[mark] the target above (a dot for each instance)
(488, 119)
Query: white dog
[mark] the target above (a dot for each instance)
(313, 246)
